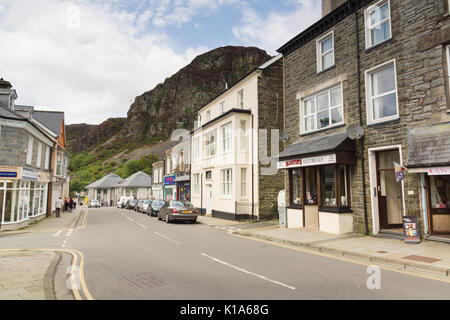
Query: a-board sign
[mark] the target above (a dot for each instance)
(411, 230)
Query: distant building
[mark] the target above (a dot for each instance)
(158, 177)
(138, 185)
(104, 189)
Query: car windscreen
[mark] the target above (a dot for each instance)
(158, 204)
(181, 204)
(147, 201)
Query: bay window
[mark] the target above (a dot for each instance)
(226, 138)
(243, 182)
(210, 143)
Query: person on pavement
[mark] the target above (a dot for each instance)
(58, 205)
(71, 204)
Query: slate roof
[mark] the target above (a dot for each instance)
(138, 180)
(429, 146)
(8, 113)
(329, 142)
(51, 119)
(106, 182)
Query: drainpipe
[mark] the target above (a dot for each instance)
(363, 172)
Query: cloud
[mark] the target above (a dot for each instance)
(89, 59)
(272, 31)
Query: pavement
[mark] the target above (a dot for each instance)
(428, 257)
(29, 274)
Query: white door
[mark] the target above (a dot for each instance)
(209, 196)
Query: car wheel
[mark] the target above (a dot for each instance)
(194, 221)
(159, 217)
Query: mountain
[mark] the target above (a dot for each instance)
(156, 113)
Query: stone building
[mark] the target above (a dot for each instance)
(235, 136)
(380, 68)
(27, 168)
(104, 189)
(138, 186)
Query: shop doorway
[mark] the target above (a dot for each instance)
(389, 192)
(311, 201)
(438, 189)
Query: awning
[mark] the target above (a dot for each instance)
(183, 179)
(429, 146)
(327, 149)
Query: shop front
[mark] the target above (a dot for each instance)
(23, 196)
(170, 188)
(183, 184)
(429, 157)
(319, 183)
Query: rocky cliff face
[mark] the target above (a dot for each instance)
(171, 104)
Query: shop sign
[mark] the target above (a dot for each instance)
(10, 172)
(411, 230)
(43, 176)
(29, 174)
(439, 171)
(170, 180)
(308, 162)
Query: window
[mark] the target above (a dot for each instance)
(208, 175)
(325, 52)
(208, 116)
(210, 143)
(30, 150)
(227, 182)
(243, 182)
(241, 99)
(328, 186)
(197, 148)
(47, 157)
(161, 174)
(242, 136)
(343, 186)
(296, 194)
(440, 192)
(181, 161)
(196, 184)
(381, 93)
(222, 107)
(378, 23)
(226, 138)
(448, 61)
(311, 186)
(322, 110)
(39, 155)
(59, 163)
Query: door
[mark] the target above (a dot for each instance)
(209, 196)
(389, 191)
(311, 208)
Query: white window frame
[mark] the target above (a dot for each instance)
(39, 155)
(368, 28)
(47, 157)
(30, 150)
(209, 146)
(320, 54)
(314, 115)
(242, 129)
(244, 178)
(226, 181)
(227, 137)
(208, 115)
(240, 99)
(369, 98)
(196, 184)
(197, 148)
(222, 107)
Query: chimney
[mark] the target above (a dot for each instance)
(7, 94)
(330, 5)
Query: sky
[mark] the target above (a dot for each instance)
(91, 58)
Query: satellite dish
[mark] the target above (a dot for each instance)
(355, 131)
(284, 136)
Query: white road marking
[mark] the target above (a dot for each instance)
(57, 234)
(64, 244)
(130, 219)
(167, 238)
(141, 225)
(248, 272)
(69, 233)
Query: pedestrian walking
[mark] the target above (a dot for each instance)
(71, 204)
(58, 205)
(75, 204)
(66, 204)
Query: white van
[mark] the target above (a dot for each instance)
(122, 201)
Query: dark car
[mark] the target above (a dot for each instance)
(138, 206)
(154, 207)
(178, 210)
(131, 204)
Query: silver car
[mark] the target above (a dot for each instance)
(178, 210)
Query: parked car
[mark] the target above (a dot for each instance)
(138, 206)
(122, 201)
(145, 205)
(178, 210)
(154, 207)
(131, 204)
(94, 204)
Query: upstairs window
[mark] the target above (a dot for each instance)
(378, 23)
(210, 143)
(39, 155)
(30, 150)
(208, 116)
(241, 99)
(325, 52)
(47, 158)
(226, 138)
(322, 110)
(197, 148)
(381, 93)
(222, 107)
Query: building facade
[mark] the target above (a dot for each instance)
(357, 83)
(138, 186)
(232, 175)
(158, 177)
(104, 189)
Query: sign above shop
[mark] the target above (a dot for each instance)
(10, 172)
(308, 162)
(29, 174)
(439, 171)
(170, 180)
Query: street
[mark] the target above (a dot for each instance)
(129, 255)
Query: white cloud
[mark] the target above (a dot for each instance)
(89, 62)
(272, 31)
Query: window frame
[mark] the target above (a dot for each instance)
(30, 150)
(240, 99)
(208, 145)
(320, 54)
(226, 184)
(39, 155)
(369, 98)
(197, 148)
(314, 115)
(222, 107)
(227, 137)
(368, 29)
(244, 179)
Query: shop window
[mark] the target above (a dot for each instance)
(343, 186)
(296, 182)
(311, 186)
(328, 186)
(440, 192)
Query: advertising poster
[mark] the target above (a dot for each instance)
(411, 230)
